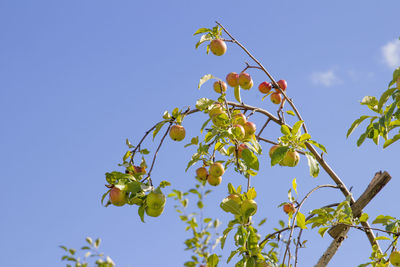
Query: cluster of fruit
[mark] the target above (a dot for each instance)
(243, 79)
(213, 176)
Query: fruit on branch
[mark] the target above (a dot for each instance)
(276, 98)
(217, 169)
(232, 79)
(220, 86)
(215, 110)
(245, 81)
(248, 207)
(154, 212)
(249, 128)
(395, 258)
(241, 147)
(155, 200)
(238, 131)
(177, 132)
(218, 47)
(202, 173)
(291, 159)
(117, 197)
(214, 180)
(239, 118)
(289, 208)
(282, 84)
(265, 87)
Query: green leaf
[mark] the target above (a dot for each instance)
(128, 143)
(305, 137)
(204, 103)
(233, 253)
(212, 260)
(290, 112)
(285, 130)
(320, 146)
(202, 30)
(294, 185)
(250, 159)
(237, 94)
(364, 217)
(278, 154)
(296, 127)
(391, 141)
(231, 189)
(102, 199)
(141, 213)
(384, 97)
(382, 238)
(371, 102)
(301, 220)
(355, 124)
(158, 128)
(205, 78)
(127, 155)
(97, 243)
(313, 165)
(200, 204)
(251, 194)
(322, 231)
(89, 240)
(381, 219)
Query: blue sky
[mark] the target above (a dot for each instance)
(78, 77)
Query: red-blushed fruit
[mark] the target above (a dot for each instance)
(154, 212)
(239, 118)
(217, 169)
(289, 208)
(177, 132)
(248, 207)
(202, 173)
(219, 87)
(241, 147)
(117, 197)
(249, 129)
(155, 200)
(218, 47)
(276, 98)
(238, 131)
(214, 180)
(282, 84)
(265, 87)
(245, 80)
(291, 159)
(395, 258)
(272, 149)
(232, 79)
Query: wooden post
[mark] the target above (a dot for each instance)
(338, 233)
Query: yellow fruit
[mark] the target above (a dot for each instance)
(217, 169)
(395, 258)
(202, 173)
(177, 132)
(117, 197)
(214, 180)
(218, 47)
(219, 87)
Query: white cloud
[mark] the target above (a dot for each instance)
(391, 53)
(324, 78)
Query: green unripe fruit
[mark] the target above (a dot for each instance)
(395, 258)
(154, 212)
(291, 159)
(155, 200)
(214, 180)
(177, 133)
(238, 131)
(217, 169)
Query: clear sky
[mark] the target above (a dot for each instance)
(78, 77)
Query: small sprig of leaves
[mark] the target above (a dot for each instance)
(91, 257)
(208, 35)
(204, 230)
(387, 116)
